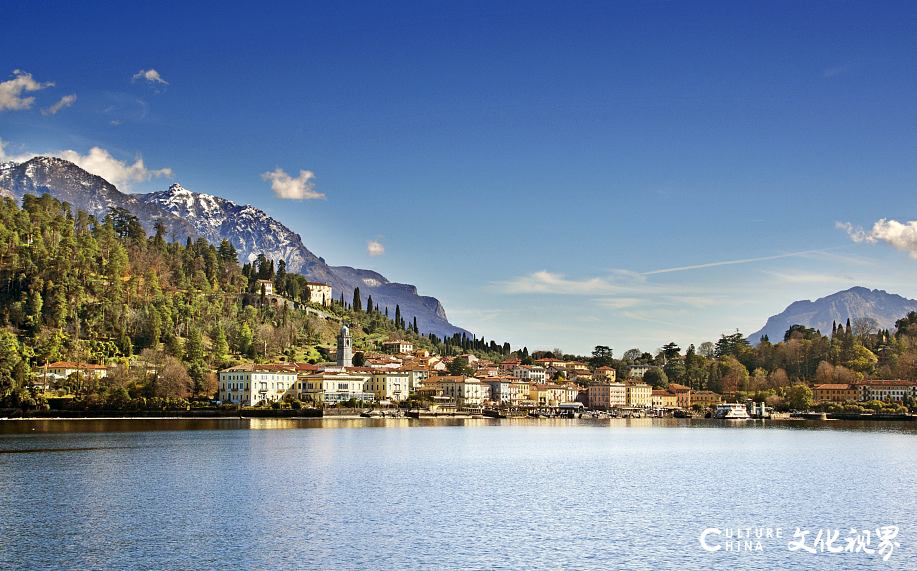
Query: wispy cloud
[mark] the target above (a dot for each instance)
(546, 282)
(843, 69)
(902, 237)
(619, 302)
(285, 186)
(119, 173)
(811, 277)
(375, 248)
(11, 91)
(150, 75)
(730, 262)
(65, 101)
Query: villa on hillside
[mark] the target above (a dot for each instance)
(319, 293)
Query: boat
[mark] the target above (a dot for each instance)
(731, 411)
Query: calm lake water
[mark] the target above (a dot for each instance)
(473, 494)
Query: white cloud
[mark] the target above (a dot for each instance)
(66, 101)
(375, 248)
(546, 282)
(285, 186)
(11, 91)
(619, 302)
(902, 237)
(150, 75)
(119, 173)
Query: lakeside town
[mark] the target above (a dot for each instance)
(99, 318)
(404, 378)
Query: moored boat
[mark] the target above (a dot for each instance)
(731, 411)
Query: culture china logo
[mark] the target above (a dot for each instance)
(878, 542)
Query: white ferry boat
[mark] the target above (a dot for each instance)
(731, 411)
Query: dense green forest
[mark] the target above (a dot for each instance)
(75, 288)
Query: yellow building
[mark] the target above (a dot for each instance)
(639, 394)
(664, 399)
(835, 393)
(705, 398)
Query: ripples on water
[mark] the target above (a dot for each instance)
(474, 494)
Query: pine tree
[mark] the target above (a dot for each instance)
(357, 306)
(194, 347)
(220, 346)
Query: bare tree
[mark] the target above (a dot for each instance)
(173, 380)
(706, 349)
(863, 327)
(778, 379)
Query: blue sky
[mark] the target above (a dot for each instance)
(559, 175)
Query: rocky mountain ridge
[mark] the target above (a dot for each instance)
(884, 307)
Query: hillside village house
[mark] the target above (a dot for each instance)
(510, 364)
(530, 373)
(319, 293)
(637, 371)
(607, 374)
(249, 384)
(267, 285)
(398, 347)
(66, 368)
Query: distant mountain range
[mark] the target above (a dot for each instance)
(884, 307)
(251, 231)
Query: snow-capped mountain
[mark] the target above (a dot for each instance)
(247, 228)
(87, 192)
(253, 232)
(191, 215)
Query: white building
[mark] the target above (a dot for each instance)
(319, 293)
(250, 384)
(530, 373)
(463, 391)
(398, 347)
(333, 386)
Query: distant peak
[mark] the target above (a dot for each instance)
(178, 189)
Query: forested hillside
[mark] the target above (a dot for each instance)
(77, 288)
